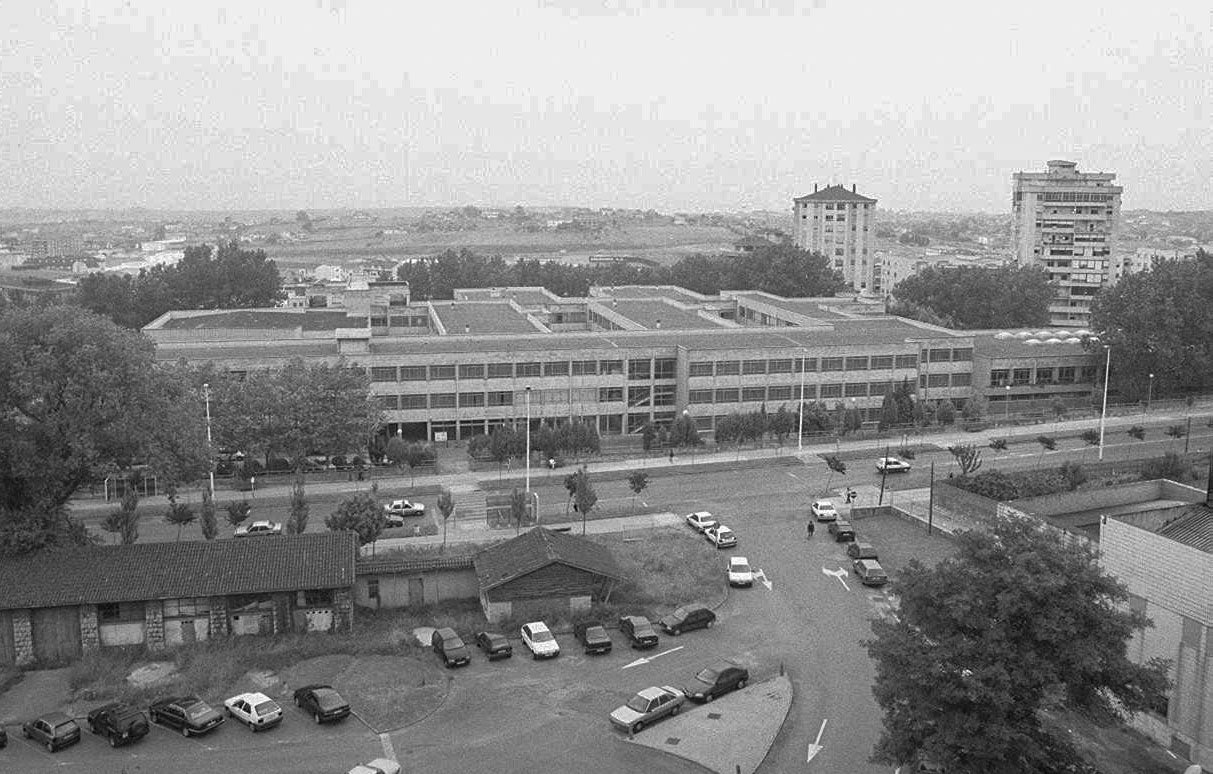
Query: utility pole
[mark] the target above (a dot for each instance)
(206, 395)
(1103, 412)
(528, 445)
(931, 500)
(800, 414)
(884, 472)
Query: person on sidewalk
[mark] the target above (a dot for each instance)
(809, 529)
(671, 455)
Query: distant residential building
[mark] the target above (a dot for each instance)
(1065, 222)
(838, 223)
(58, 246)
(1145, 258)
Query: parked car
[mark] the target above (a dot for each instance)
(119, 723)
(403, 508)
(639, 631)
(688, 618)
(255, 710)
(870, 572)
(377, 766)
(842, 531)
(823, 510)
(54, 730)
(648, 706)
(3, 738)
(892, 465)
(322, 702)
(592, 636)
(262, 527)
(188, 714)
(717, 678)
(861, 551)
(740, 573)
(494, 645)
(539, 639)
(720, 536)
(701, 520)
(447, 643)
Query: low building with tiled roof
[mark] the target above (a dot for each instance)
(401, 579)
(59, 604)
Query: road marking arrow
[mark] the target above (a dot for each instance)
(816, 746)
(839, 574)
(645, 660)
(762, 578)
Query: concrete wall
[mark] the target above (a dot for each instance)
(964, 503)
(436, 586)
(1108, 497)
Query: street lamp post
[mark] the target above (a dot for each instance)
(1008, 403)
(206, 396)
(1150, 393)
(800, 419)
(1103, 412)
(528, 445)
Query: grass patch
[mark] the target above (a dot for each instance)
(9, 676)
(667, 568)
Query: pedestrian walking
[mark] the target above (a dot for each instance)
(809, 529)
(671, 455)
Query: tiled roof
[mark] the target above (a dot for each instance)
(1193, 528)
(196, 568)
(834, 193)
(538, 548)
(389, 564)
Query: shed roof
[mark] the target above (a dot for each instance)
(387, 564)
(1194, 528)
(145, 571)
(538, 548)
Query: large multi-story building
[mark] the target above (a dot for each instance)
(620, 358)
(1065, 223)
(838, 224)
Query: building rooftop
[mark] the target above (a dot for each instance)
(538, 548)
(280, 319)
(1193, 527)
(1032, 342)
(658, 313)
(481, 317)
(526, 297)
(673, 292)
(834, 193)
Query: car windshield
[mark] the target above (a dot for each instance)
(65, 727)
(329, 699)
(542, 635)
(265, 708)
(639, 704)
(741, 567)
(707, 675)
(679, 614)
(197, 711)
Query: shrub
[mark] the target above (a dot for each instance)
(279, 465)
(1137, 431)
(1170, 465)
(339, 461)
(998, 444)
(1074, 473)
(906, 452)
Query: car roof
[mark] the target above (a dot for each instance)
(738, 560)
(54, 718)
(252, 697)
(871, 564)
(702, 514)
(537, 626)
(823, 503)
(636, 618)
(651, 692)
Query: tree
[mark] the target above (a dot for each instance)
(446, 506)
(518, 509)
(967, 456)
(1091, 436)
(972, 410)
(1059, 409)
(977, 297)
(998, 444)
(585, 497)
(416, 455)
(1176, 431)
(359, 513)
(1047, 443)
(946, 413)
(1017, 621)
(684, 432)
(396, 450)
(237, 513)
(1137, 431)
(637, 481)
(889, 416)
(125, 520)
(781, 424)
(179, 514)
(836, 466)
(648, 435)
(297, 523)
(206, 516)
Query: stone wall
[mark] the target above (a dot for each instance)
(343, 610)
(153, 625)
(219, 622)
(23, 638)
(90, 630)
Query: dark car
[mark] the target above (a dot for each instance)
(688, 618)
(639, 631)
(862, 551)
(119, 723)
(842, 531)
(188, 714)
(54, 730)
(3, 738)
(717, 678)
(870, 572)
(322, 702)
(449, 645)
(494, 645)
(593, 636)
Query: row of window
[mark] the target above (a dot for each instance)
(1001, 377)
(803, 364)
(639, 368)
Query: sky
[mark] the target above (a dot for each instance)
(663, 104)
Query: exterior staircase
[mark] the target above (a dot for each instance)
(470, 509)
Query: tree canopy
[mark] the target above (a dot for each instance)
(1158, 322)
(970, 297)
(1020, 620)
(205, 278)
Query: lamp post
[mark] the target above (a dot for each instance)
(800, 414)
(528, 445)
(1149, 393)
(206, 396)
(1008, 402)
(1103, 412)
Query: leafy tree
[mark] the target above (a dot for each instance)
(416, 455)
(972, 410)
(903, 396)
(889, 416)
(396, 449)
(946, 413)
(585, 496)
(1176, 431)
(648, 435)
(836, 466)
(1047, 443)
(125, 520)
(518, 508)
(977, 297)
(297, 523)
(238, 513)
(684, 432)
(179, 514)
(1059, 409)
(782, 424)
(1073, 473)
(359, 513)
(637, 481)
(817, 419)
(1090, 436)
(967, 456)
(446, 506)
(1016, 622)
(998, 444)
(1137, 431)
(206, 516)
(1170, 466)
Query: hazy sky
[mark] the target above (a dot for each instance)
(664, 104)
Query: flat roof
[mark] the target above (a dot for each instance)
(480, 317)
(649, 291)
(657, 313)
(277, 319)
(1036, 342)
(523, 296)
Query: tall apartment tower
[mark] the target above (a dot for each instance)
(1065, 223)
(838, 224)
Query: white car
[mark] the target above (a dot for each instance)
(720, 536)
(377, 766)
(255, 710)
(259, 528)
(701, 520)
(740, 573)
(648, 706)
(823, 510)
(404, 508)
(539, 640)
(892, 465)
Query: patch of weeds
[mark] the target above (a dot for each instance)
(101, 674)
(9, 676)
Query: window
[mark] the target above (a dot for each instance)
(387, 402)
(471, 399)
(941, 356)
(780, 366)
(754, 367)
(383, 374)
(882, 362)
(526, 369)
(831, 391)
(906, 361)
(607, 367)
(585, 367)
(412, 373)
(702, 368)
(640, 369)
(501, 398)
(727, 395)
(471, 371)
(857, 363)
(372, 588)
(1021, 376)
(700, 396)
(316, 597)
(831, 364)
(442, 400)
(442, 372)
(754, 394)
(1088, 375)
(728, 367)
(610, 394)
(1044, 375)
(806, 364)
(501, 370)
(663, 395)
(640, 396)
(416, 400)
(999, 377)
(937, 380)
(962, 380)
(855, 389)
(120, 612)
(962, 354)
(190, 606)
(1065, 375)
(665, 368)
(556, 368)
(783, 392)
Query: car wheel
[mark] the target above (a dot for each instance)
(25, 733)
(297, 702)
(709, 624)
(185, 731)
(92, 727)
(637, 726)
(676, 710)
(113, 741)
(227, 711)
(252, 726)
(740, 684)
(534, 656)
(317, 717)
(707, 697)
(675, 632)
(50, 747)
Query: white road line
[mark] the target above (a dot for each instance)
(839, 574)
(647, 659)
(388, 750)
(816, 746)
